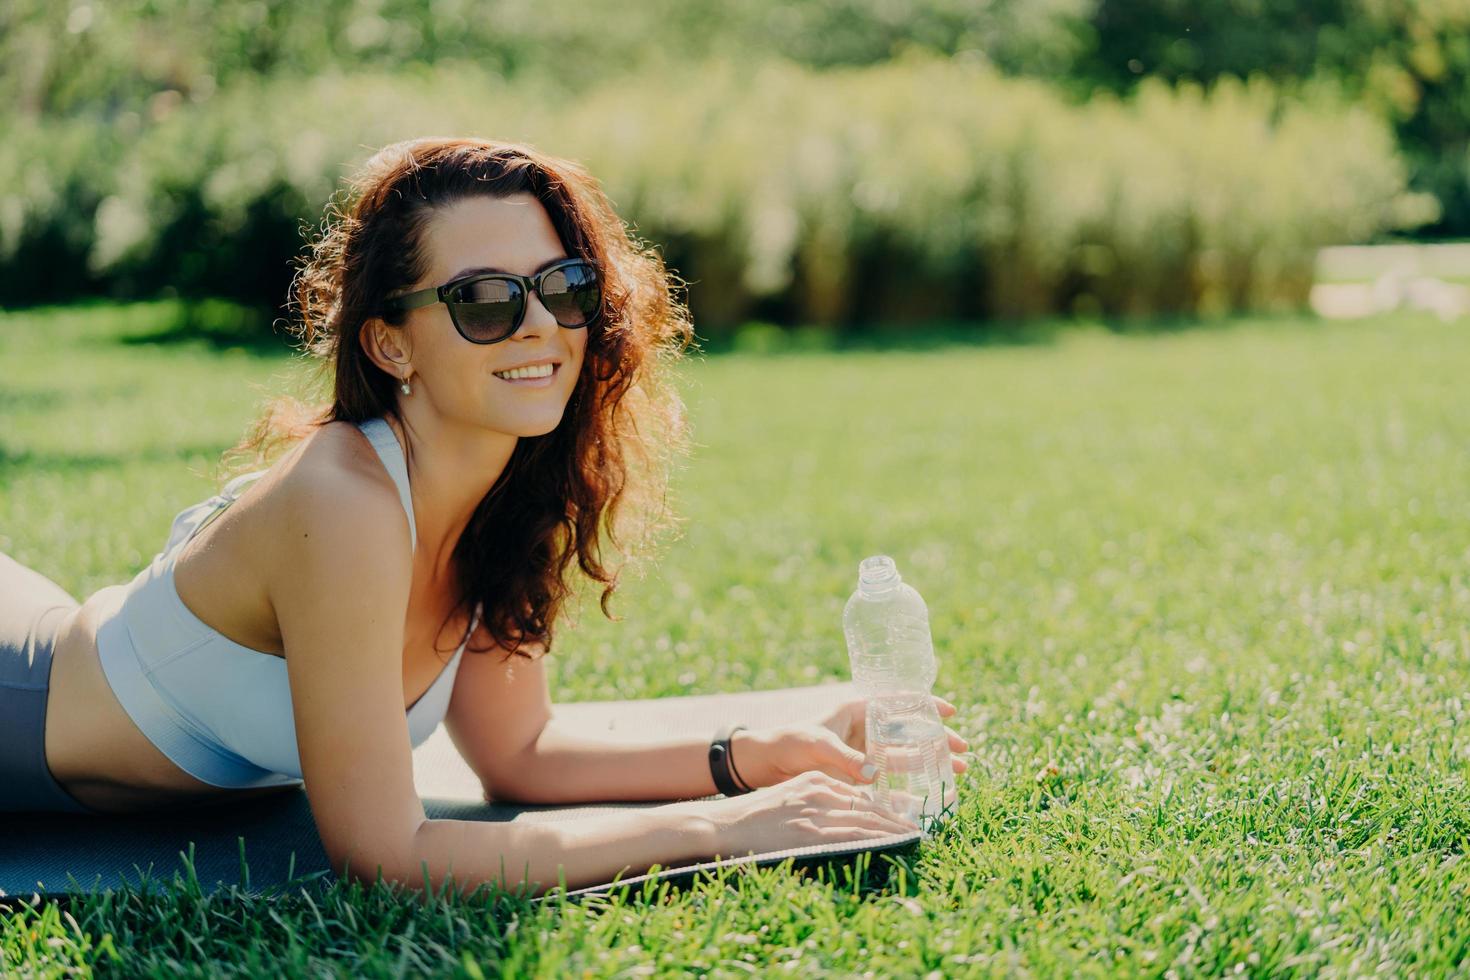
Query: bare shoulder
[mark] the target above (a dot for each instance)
(336, 492)
(340, 454)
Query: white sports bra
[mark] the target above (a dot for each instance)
(219, 710)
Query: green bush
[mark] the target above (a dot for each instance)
(53, 177)
(921, 189)
(1407, 60)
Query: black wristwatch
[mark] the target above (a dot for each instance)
(722, 767)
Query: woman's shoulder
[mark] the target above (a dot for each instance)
(336, 454)
(334, 533)
(335, 479)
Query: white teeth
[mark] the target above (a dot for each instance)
(539, 371)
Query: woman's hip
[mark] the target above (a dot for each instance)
(32, 610)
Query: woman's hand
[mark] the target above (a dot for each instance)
(812, 808)
(836, 745)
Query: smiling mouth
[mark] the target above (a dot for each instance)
(532, 379)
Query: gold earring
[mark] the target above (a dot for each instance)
(404, 387)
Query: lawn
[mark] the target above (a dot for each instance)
(1201, 597)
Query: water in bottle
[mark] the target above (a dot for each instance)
(892, 653)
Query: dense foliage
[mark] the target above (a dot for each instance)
(1045, 156)
(926, 187)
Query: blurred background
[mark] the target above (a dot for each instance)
(813, 169)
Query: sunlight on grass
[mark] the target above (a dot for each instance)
(1200, 599)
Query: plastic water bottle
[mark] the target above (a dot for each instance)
(892, 653)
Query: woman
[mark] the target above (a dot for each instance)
(496, 347)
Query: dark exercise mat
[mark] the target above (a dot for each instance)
(60, 853)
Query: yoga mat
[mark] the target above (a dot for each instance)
(62, 854)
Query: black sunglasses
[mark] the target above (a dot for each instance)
(488, 307)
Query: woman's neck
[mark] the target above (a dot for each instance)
(453, 469)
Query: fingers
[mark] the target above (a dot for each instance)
(945, 708)
(847, 830)
(881, 823)
(845, 812)
(831, 793)
(859, 802)
(869, 815)
(957, 744)
(841, 793)
(830, 788)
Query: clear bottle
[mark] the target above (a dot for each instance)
(893, 665)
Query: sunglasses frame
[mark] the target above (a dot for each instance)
(529, 284)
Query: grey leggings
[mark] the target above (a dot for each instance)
(32, 608)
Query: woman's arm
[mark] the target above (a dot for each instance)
(340, 588)
(500, 718)
(562, 766)
(539, 856)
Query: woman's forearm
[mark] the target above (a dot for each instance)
(536, 856)
(567, 767)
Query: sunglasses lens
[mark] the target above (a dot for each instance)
(486, 309)
(572, 294)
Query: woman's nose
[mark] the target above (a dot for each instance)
(538, 319)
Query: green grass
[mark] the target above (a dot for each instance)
(1201, 598)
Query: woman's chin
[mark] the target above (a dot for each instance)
(529, 427)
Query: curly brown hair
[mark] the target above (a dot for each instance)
(604, 468)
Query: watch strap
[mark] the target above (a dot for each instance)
(721, 767)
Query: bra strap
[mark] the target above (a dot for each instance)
(235, 487)
(386, 444)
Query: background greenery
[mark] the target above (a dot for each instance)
(831, 163)
(1198, 596)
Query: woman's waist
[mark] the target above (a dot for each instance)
(76, 634)
(156, 696)
(90, 737)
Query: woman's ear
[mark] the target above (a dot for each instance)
(386, 346)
